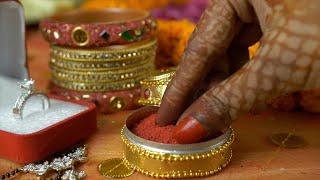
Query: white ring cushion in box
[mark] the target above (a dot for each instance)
(35, 119)
(13, 70)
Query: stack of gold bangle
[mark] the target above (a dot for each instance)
(101, 55)
(102, 69)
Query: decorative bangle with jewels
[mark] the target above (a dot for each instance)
(107, 102)
(98, 28)
(153, 88)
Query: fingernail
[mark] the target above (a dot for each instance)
(189, 131)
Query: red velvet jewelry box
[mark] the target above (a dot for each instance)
(42, 132)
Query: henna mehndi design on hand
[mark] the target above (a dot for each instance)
(288, 60)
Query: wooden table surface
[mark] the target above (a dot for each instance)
(254, 157)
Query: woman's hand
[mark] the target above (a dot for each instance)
(288, 60)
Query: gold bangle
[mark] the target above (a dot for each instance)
(153, 88)
(101, 76)
(98, 87)
(112, 53)
(99, 66)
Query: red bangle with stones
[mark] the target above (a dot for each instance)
(98, 28)
(107, 102)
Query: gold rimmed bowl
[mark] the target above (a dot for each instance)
(174, 160)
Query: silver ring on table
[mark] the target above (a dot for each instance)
(28, 85)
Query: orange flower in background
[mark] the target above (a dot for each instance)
(137, 4)
(178, 1)
(173, 36)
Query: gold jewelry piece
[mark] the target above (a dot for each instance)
(117, 103)
(99, 66)
(98, 28)
(174, 161)
(101, 77)
(153, 88)
(98, 87)
(98, 78)
(80, 36)
(114, 168)
(95, 77)
(111, 53)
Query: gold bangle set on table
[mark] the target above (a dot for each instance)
(101, 55)
(105, 69)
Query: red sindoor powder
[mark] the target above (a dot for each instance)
(148, 129)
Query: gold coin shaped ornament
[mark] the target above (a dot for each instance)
(287, 140)
(80, 36)
(114, 168)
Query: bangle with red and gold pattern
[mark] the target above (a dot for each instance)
(107, 102)
(154, 86)
(98, 28)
